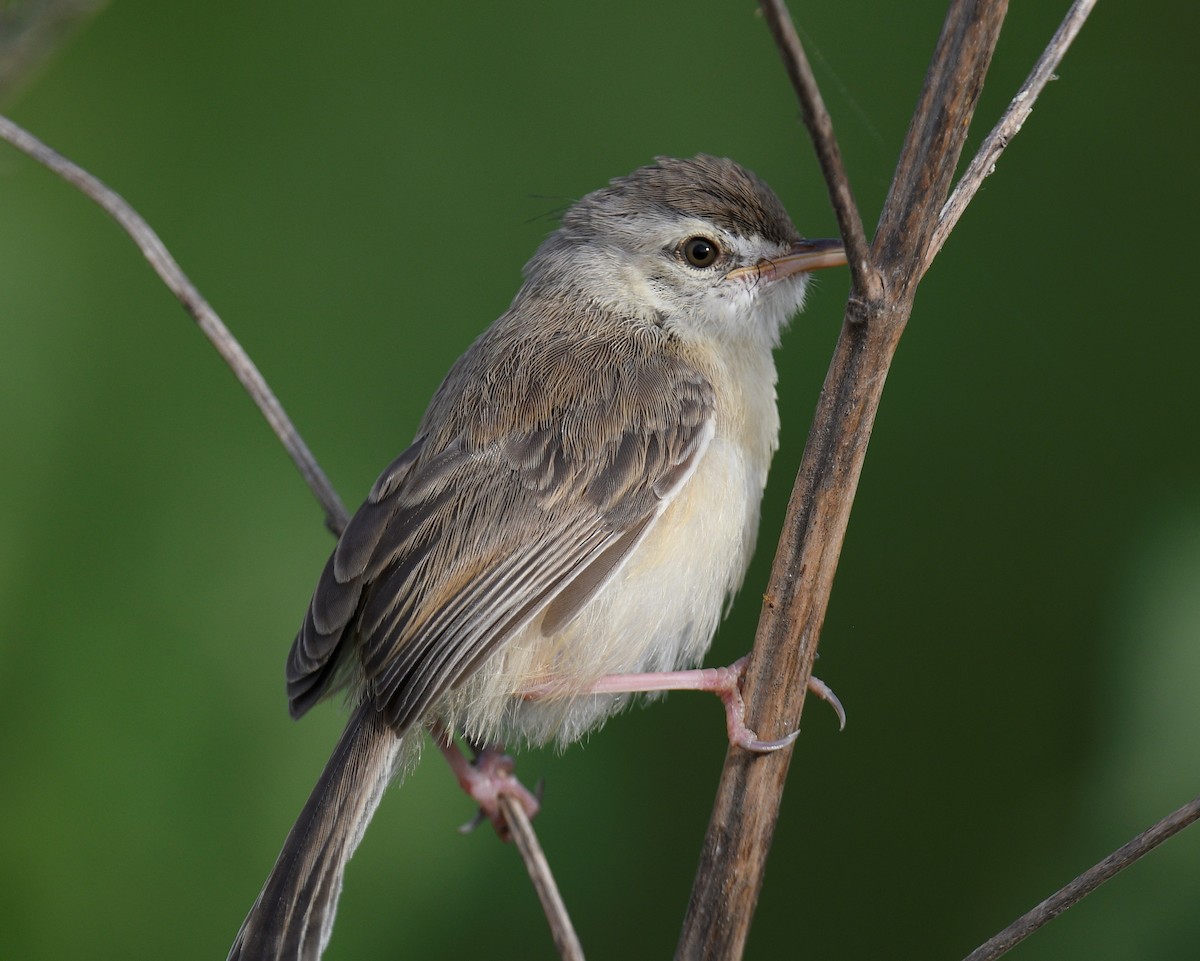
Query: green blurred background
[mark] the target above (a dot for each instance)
(1015, 624)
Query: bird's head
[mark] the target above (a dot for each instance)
(702, 247)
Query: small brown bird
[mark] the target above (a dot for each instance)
(579, 503)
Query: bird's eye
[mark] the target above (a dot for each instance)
(700, 251)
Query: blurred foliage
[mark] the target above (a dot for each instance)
(31, 31)
(1014, 627)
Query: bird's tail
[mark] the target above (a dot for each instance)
(293, 916)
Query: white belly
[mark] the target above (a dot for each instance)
(658, 613)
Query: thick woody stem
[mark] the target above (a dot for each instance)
(733, 855)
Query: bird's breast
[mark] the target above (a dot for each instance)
(661, 607)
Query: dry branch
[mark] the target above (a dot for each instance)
(733, 855)
(984, 162)
(526, 840)
(1087, 882)
(914, 226)
(171, 274)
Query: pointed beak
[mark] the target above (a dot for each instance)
(804, 256)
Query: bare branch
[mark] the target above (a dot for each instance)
(1019, 109)
(214, 329)
(565, 939)
(829, 154)
(733, 855)
(1086, 883)
(932, 148)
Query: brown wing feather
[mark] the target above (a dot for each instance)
(536, 484)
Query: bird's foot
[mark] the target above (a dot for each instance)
(486, 779)
(726, 683)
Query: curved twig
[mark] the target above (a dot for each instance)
(829, 154)
(206, 318)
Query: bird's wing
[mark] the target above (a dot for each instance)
(458, 547)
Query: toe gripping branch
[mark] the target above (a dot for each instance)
(486, 779)
(724, 682)
(490, 774)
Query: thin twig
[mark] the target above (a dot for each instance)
(521, 830)
(1019, 109)
(1086, 883)
(829, 154)
(516, 827)
(206, 318)
(733, 855)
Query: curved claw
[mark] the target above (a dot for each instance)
(766, 747)
(825, 693)
(730, 693)
(727, 687)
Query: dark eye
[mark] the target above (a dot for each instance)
(700, 251)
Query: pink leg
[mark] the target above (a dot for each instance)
(725, 682)
(484, 779)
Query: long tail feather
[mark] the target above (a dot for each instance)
(293, 916)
